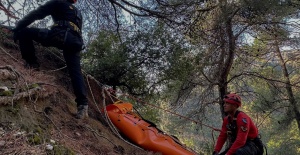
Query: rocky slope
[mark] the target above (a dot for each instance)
(37, 109)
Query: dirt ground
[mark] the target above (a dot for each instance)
(38, 118)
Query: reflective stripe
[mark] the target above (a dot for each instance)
(75, 27)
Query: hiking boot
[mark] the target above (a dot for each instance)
(82, 111)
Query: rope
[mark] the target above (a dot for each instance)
(175, 140)
(106, 117)
(111, 125)
(99, 84)
(171, 112)
(113, 128)
(155, 106)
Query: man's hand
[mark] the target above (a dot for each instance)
(215, 153)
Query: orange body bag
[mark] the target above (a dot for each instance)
(142, 133)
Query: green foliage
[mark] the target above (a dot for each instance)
(154, 61)
(37, 135)
(109, 61)
(149, 113)
(35, 139)
(146, 108)
(6, 93)
(285, 141)
(256, 10)
(34, 85)
(139, 65)
(14, 110)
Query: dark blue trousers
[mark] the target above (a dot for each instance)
(71, 54)
(252, 147)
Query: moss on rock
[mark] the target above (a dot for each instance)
(6, 93)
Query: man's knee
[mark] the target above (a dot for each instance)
(28, 33)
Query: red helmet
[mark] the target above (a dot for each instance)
(233, 98)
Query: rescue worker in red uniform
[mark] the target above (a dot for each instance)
(239, 130)
(64, 34)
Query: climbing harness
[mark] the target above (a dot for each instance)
(68, 24)
(232, 128)
(232, 134)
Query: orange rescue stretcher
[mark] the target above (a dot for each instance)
(143, 133)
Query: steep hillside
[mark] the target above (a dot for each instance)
(37, 109)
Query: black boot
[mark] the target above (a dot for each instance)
(82, 112)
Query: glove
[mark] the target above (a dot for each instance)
(215, 153)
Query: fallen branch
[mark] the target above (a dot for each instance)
(5, 100)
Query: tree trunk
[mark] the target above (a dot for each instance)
(288, 86)
(225, 69)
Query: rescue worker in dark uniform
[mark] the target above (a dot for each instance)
(65, 34)
(239, 130)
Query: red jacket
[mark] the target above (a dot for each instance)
(246, 129)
